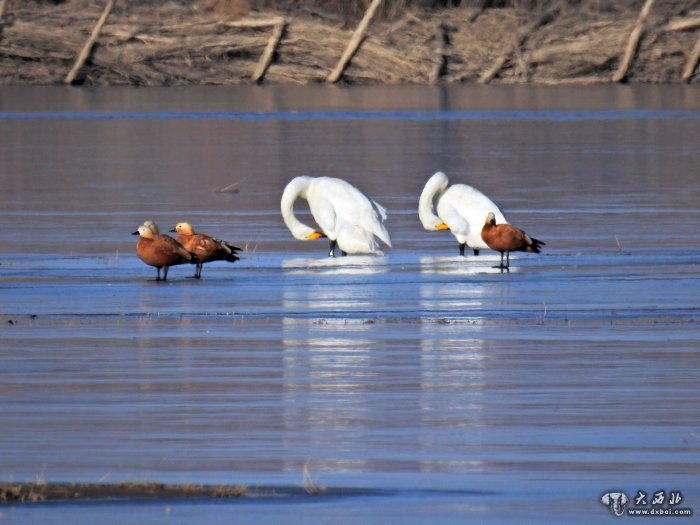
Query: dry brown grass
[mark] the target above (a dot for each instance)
(181, 43)
(350, 11)
(229, 9)
(33, 492)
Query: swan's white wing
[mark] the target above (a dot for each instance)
(464, 210)
(345, 212)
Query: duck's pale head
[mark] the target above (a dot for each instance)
(145, 232)
(184, 228)
(151, 226)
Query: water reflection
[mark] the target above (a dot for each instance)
(397, 366)
(457, 265)
(462, 298)
(452, 365)
(350, 265)
(327, 381)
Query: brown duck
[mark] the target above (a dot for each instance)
(161, 251)
(506, 238)
(205, 247)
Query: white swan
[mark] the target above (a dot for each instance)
(460, 209)
(344, 214)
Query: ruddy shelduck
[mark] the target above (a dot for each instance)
(506, 238)
(206, 248)
(161, 251)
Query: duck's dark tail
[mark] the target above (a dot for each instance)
(535, 245)
(233, 255)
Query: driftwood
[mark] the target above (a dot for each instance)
(633, 42)
(85, 52)
(354, 43)
(692, 62)
(520, 40)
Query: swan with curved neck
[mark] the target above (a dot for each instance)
(353, 222)
(459, 208)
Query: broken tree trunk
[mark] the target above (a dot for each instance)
(633, 42)
(546, 17)
(269, 52)
(441, 54)
(2, 15)
(85, 52)
(683, 24)
(354, 43)
(692, 62)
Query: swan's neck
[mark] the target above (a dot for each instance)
(434, 188)
(295, 189)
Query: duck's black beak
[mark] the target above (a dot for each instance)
(173, 230)
(135, 233)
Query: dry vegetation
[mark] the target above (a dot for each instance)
(36, 492)
(301, 41)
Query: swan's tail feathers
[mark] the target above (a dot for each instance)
(384, 236)
(381, 210)
(380, 231)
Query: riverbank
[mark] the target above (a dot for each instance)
(183, 43)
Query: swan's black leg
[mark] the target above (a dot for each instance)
(476, 252)
(462, 246)
(331, 253)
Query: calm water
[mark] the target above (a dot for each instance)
(439, 388)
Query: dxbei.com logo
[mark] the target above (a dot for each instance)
(659, 503)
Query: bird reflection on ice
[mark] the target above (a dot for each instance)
(328, 373)
(458, 265)
(452, 391)
(458, 299)
(453, 363)
(350, 265)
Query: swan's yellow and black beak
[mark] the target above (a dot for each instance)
(315, 235)
(443, 226)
